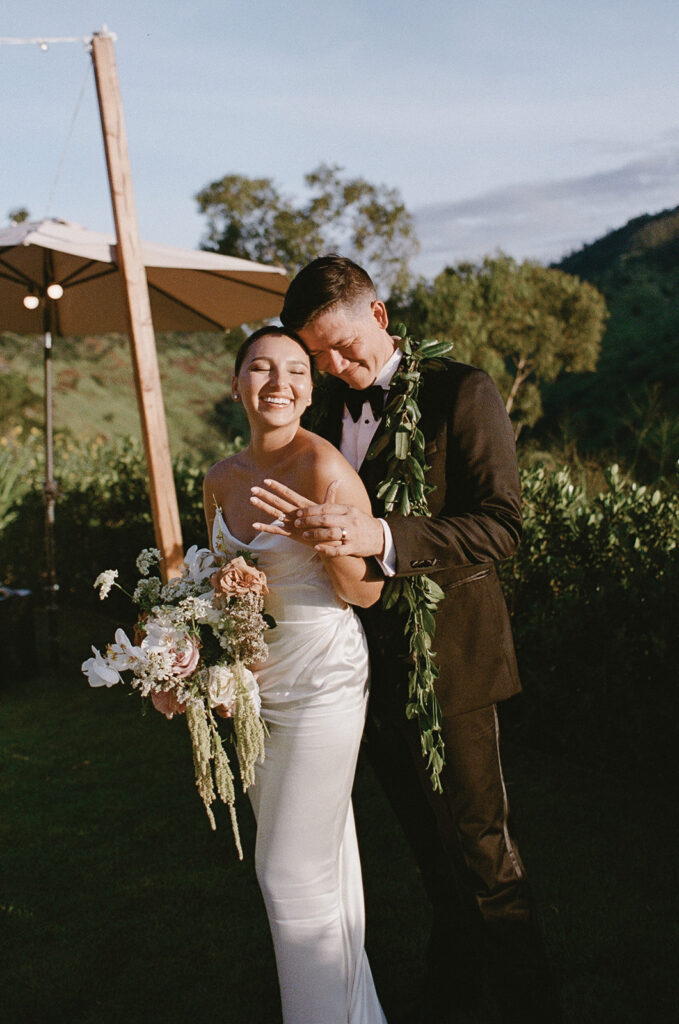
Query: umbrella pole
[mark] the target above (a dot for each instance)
(163, 495)
(50, 495)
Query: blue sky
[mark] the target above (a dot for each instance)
(531, 126)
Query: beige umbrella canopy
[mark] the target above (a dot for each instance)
(189, 290)
(59, 278)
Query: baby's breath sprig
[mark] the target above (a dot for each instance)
(404, 489)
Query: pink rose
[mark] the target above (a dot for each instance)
(186, 661)
(238, 577)
(167, 704)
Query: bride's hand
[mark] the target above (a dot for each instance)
(284, 504)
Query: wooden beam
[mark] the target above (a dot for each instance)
(142, 339)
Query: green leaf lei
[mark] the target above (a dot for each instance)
(404, 489)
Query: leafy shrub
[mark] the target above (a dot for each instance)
(103, 516)
(593, 593)
(593, 589)
(17, 457)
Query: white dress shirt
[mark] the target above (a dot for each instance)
(356, 439)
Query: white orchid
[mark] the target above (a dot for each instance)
(99, 672)
(123, 654)
(160, 637)
(200, 563)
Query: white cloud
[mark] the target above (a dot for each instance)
(543, 220)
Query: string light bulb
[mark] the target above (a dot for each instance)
(44, 46)
(31, 301)
(55, 291)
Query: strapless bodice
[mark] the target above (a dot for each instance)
(299, 587)
(317, 650)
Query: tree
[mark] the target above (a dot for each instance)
(18, 215)
(522, 323)
(251, 218)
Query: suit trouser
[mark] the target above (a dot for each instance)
(484, 930)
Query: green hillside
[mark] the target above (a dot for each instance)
(629, 408)
(94, 391)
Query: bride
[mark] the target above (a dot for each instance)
(314, 689)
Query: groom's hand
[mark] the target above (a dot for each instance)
(341, 530)
(333, 529)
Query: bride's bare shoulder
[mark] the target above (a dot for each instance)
(224, 468)
(326, 464)
(219, 479)
(322, 454)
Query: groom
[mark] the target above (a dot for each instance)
(484, 938)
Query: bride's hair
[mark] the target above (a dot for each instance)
(266, 332)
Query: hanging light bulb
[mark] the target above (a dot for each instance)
(44, 46)
(31, 301)
(55, 291)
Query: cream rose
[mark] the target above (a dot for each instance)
(222, 690)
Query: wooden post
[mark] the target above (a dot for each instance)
(142, 340)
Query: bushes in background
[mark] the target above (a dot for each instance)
(593, 590)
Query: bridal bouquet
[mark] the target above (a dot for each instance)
(193, 642)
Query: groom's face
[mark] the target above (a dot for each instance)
(350, 342)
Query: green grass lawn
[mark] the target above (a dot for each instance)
(118, 905)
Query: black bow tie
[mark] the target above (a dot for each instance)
(355, 400)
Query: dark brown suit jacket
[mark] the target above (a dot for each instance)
(475, 521)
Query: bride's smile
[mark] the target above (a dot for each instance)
(274, 382)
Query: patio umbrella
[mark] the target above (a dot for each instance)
(60, 278)
(190, 290)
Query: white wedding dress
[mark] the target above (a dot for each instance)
(314, 688)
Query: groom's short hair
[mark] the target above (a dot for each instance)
(325, 282)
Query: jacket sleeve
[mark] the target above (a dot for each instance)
(476, 504)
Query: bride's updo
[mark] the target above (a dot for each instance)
(267, 332)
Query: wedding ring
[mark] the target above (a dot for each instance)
(344, 536)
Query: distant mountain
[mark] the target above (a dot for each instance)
(652, 238)
(629, 408)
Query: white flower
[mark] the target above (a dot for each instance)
(197, 608)
(175, 589)
(98, 671)
(147, 591)
(105, 581)
(221, 687)
(147, 558)
(159, 637)
(123, 654)
(199, 562)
